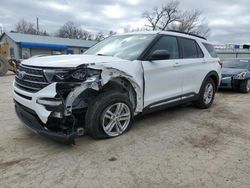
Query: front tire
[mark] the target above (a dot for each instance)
(244, 86)
(109, 115)
(206, 96)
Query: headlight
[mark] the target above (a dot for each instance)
(71, 75)
(240, 76)
(79, 74)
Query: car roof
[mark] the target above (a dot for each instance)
(172, 33)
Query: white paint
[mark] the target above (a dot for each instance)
(49, 91)
(164, 79)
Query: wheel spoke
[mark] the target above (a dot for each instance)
(108, 116)
(110, 126)
(119, 108)
(118, 127)
(125, 116)
(109, 113)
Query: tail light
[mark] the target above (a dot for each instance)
(221, 63)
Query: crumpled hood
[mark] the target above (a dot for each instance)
(231, 71)
(69, 60)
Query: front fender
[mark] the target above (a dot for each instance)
(133, 72)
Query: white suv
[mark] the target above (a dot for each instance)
(101, 91)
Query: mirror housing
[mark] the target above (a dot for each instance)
(159, 55)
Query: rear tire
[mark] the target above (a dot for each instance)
(206, 96)
(110, 114)
(244, 86)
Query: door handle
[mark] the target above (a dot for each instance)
(176, 65)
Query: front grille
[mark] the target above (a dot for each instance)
(30, 79)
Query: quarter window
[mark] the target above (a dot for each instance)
(168, 43)
(190, 49)
(199, 51)
(210, 49)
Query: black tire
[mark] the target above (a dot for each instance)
(244, 86)
(3, 67)
(200, 103)
(96, 109)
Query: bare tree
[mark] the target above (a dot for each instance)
(160, 18)
(110, 33)
(25, 27)
(170, 17)
(138, 29)
(44, 33)
(99, 36)
(191, 22)
(87, 35)
(72, 31)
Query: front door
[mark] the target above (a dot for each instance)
(163, 78)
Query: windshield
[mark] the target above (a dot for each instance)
(237, 64)
(127, 47)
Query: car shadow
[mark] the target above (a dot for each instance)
(229, 92)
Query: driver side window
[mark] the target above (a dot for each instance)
(168, 43)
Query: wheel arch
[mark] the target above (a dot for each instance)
(123, 85)
(214, 76)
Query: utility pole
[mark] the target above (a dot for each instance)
(37, 26)
(1, 29)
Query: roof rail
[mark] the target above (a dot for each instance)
(191, 34)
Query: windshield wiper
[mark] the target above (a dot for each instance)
(103, 55)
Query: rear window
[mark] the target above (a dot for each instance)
(210, 49)
(190, 49)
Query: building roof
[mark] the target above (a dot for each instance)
(27, 38)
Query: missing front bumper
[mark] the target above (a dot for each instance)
(28, 117)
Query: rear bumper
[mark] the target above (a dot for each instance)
(30, 119)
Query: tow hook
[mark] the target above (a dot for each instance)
(80, 131)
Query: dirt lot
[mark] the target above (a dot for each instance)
(179, 147)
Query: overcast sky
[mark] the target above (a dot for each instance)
(229, 20)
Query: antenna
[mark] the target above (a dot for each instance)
(37, 25)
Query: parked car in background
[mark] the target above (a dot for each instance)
(236, 75)
(124, 75)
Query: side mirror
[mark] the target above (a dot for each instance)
(159, 55)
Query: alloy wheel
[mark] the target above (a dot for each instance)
(116, 119)
(208, 94)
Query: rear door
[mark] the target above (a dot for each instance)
(162, 77)
(193, 66)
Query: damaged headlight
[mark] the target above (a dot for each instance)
(70, 75)
(240, 76)
(79, 74)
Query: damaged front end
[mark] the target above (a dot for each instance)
(233, 81)
(58, 110)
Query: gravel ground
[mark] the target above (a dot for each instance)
(178, 147)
